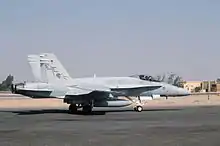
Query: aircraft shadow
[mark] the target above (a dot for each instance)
(57, 111)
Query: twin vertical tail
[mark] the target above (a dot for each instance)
(47, 68)
(34, 62)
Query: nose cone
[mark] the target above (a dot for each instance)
(184, 92)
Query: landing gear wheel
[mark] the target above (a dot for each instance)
(138, 108)
(72, 108)
(87, 109)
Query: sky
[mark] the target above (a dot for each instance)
(112, 37)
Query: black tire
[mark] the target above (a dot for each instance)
(139, 108)
(87, 109)
(72, 108)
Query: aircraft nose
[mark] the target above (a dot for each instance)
(184, 91)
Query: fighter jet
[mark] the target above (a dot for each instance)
(166, 89)
(53, 81)
(62, 74)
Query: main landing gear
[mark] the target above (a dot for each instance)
(72, 108)
(87, 109)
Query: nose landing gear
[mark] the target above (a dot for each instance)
(137, 103)
(138, 108)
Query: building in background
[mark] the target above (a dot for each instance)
(191, 86)
(202, 86)
(215, 87)
(208, 86)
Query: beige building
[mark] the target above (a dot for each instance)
(208, 86)
(191, 85)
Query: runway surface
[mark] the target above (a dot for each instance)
(55, 127)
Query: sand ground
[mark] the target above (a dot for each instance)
(195, 100)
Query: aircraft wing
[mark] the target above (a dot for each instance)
(85, 93)
(98, 91)
(77, 91)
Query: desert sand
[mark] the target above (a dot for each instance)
(195, 100)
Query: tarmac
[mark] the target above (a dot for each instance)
(170, 123)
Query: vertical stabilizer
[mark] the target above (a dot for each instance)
(54, 69)
(34, 62)
(47, 71)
